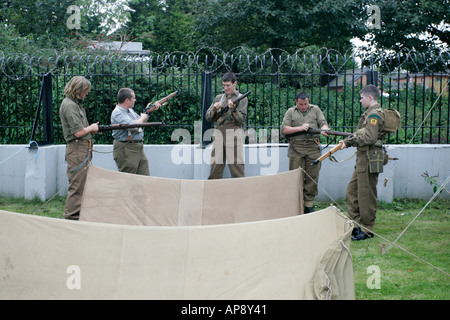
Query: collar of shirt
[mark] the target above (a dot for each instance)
(372, 108)
(232, 95)
(303, 112)
(130, 111)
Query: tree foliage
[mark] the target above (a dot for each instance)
(186, 25)
(45, 22)
(285, 24)
(421, 26)
(163, 26)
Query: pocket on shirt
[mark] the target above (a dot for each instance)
(376, 160)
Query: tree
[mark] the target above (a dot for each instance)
(421, 26)
(163, 26)
(285, 24)
(45, 23)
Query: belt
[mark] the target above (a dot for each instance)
(78, 140)
(131, 141)
(302, 141)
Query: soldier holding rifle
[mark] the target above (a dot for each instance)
(361, 194)
(228, 134)
(128, 149)
(304, 148)
(78, 135)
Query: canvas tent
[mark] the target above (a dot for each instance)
(290, 257)
(121, 198)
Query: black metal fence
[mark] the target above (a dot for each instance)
(31, 90)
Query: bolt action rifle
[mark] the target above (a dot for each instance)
(109, 127)
(329, 153)
(313, 130)
(151, 106)
(224, 108)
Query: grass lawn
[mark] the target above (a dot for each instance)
(396, 275)
(402, 275)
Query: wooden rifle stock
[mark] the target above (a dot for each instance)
(224, 108)
(326, 155)
(151, 106)
(109, 127)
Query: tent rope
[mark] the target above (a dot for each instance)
(378, 235)
(429, 201)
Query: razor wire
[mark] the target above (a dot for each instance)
(304, 61)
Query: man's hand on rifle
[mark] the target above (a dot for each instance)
(323, 132)
(142, 119)
(157, 105)
(231, 105)
(304, 127)
(217, 106)
(94, 128)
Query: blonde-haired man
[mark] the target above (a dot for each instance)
(78, 135)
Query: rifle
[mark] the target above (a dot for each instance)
(109, 127)
(326, 155)
(224, 108)
(151, 106)
(313, 130)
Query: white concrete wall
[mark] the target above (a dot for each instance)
(29, 172)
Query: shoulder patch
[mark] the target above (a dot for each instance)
(373, 115)
(373, 121)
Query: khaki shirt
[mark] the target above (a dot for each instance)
(73, 119)
(295, 118)
(370, 129)
(227, 119)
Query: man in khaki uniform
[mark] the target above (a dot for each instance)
(78, 135)
(361, 194)
(304, 148)
(228, 143)
(128, 150)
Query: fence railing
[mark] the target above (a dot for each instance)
(31, 90)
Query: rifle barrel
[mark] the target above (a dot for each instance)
(110, 127)
(332, 132)
(314, 130)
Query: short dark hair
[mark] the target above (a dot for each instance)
(302, 95)
(229, 76)
(370, 90)
(124, 94)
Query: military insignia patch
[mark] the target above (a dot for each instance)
(373, 119)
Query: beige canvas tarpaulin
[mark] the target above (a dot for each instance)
(298, 257)
(122, 198)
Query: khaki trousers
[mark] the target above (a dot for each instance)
(228, 147)
(361, 194)
(77, 152)
(301, 154)
(130, 158)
